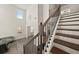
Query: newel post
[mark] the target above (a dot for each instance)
(41, 36)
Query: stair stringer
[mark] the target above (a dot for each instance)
(52, 39)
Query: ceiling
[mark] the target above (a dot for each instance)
(23, 6)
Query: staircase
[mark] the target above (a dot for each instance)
(66, 39)
(61, 38)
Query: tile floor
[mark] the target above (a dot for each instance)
(16, 47)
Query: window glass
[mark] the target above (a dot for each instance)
(19, 14)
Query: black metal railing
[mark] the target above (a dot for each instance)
(31, 46)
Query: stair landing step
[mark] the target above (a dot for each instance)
(56, 50)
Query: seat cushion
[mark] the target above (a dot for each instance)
(3, 48)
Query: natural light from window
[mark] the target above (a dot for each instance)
(19, 14)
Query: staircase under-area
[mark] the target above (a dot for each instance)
(66, 40)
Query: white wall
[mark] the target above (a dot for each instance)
(32, 17)
(45, 12)
(70, 8)
(40, 13)
(8, 21)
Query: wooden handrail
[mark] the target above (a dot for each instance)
(51, 16)
(33, 38)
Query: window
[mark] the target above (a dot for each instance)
(20, 18)
(19, 14)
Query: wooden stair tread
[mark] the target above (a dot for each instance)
(56, 50)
